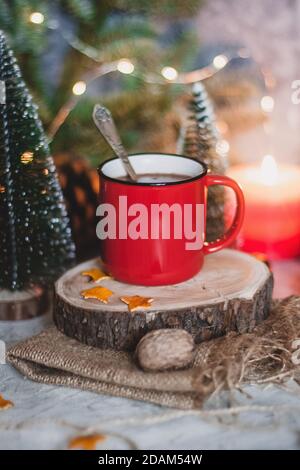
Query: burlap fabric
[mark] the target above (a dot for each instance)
(267, 354)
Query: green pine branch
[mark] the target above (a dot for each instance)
(115, 29)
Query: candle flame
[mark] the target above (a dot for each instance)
(269, 170)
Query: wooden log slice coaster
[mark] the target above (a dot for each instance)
(26, 304)
(231, 293)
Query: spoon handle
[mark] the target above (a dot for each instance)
(105, 123)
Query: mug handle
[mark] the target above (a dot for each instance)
(230, 235)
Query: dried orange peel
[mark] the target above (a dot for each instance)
(99, 293)
(86, 442)
(96, 274)
(135, 302)
(5, 404)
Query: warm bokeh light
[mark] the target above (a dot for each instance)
(169, 73)
(37, 17)
(26, 157)
(79, 88)
(267, 104)
(125, 66)
(223, 147)
(269, 170)
(220, 61)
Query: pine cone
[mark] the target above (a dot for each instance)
(200, 143)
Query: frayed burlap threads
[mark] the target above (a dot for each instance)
(264, 356)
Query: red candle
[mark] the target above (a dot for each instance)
(272, 216)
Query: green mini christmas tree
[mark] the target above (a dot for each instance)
(35, 237)
(202, 142)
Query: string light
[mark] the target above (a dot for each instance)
(267, 104)
(220, 61)
(26, 157)
(223, 147)
(125, 66)
(79, 88)
(121, 65)
(37, 17)
(69, 105)
(169, 73)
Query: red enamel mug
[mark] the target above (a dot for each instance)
(153, 232)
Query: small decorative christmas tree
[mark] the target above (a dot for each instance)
(35, 237)
(202, 142)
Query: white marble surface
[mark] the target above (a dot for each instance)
(46, 417)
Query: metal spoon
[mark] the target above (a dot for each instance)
(105, 123)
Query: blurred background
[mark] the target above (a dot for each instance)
(140, 58)
(70, 48)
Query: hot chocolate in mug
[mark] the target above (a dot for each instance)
(152, 232)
